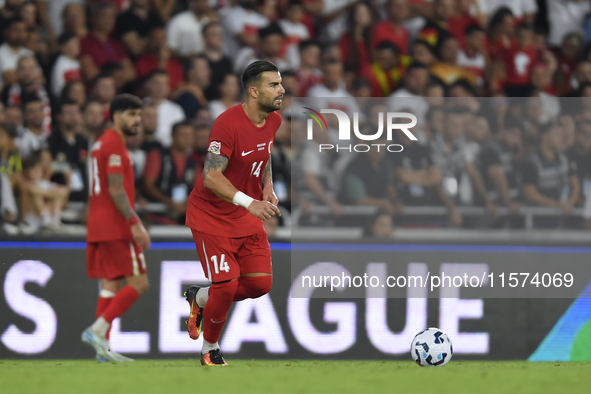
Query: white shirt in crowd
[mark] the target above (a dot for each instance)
(184, 33)
(9, 58)
(565, 16)
(216, 108)
(169, 113)
(295, 33)
(417, 105)
(248, 55)
(55, 9)
(518, 7)
(64, 70)
(28, 142)
(237, 20)
(477, 62)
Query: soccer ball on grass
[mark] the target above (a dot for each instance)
(431, 348)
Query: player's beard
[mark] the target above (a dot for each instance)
(130, 130)
(270, 106)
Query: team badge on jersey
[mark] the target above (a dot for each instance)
(215, 147)
(114, 160)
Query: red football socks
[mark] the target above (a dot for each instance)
(120, 303)
(101, 306)
(253, 287)
(221, 296)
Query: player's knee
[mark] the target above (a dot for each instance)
(224, 291)
(140, 285)
(258, 286)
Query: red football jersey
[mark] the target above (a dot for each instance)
(108, 156)
(248, 149)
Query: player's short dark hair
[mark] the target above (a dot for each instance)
(473, 28)
(252, 73)
(273, 28)
(388, 45)
(124, 102)
(64, 38)
(184, 123)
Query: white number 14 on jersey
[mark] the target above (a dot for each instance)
(256, 168)
(223, 264)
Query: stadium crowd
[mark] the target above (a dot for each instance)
(63, 61)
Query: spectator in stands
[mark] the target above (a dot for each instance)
(568, 125)
(524, 10)
(170, 173)
(99, 47)
(69, 150)
(184, 33)
(369, 178)
(44, 201)
(580, 154)
(448, 69)
(9, 10)
(138, 155)
(134, 25)
(565, 63)
(355, 44)
(28, 12)
(229, 91)
(15, 33)
(516, 63)
(75, 91)
(10, 158)
(158, 57)
(169, 113)
(318, 184)
(331, 92)
(308, 74)
(547, 172)
(241, 24)
(438, 17)
(219, 64)
(541, 85)
(31, 137)
(413, 86)
(72, 18)
(93, 121)
(423, 53)
(28, 85)
(191, 95)
(295, 31)
(104, 91)
(381, 226)
(386, 72)
(13, 115)
(67, 66)
(451, 153)
(392, 29)
(150, 125)
(268, 48)
(201, 142)
(474, 57)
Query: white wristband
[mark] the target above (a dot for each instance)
(242, 199)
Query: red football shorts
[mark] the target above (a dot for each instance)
(224, 258)
(114, 259)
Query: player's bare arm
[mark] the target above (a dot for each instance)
(119, 196)
(215, 180)
(268, 192)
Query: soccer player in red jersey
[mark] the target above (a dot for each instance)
(227, 207)
(116, 237)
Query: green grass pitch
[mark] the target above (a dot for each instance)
(287, 377)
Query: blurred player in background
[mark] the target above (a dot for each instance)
(228, 205)
(116, 237)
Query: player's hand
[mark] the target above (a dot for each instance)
(269, 195)
(263, 209)
(140, 235)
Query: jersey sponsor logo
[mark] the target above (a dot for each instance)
(247, 153)
(114, 160)
(215, 147)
